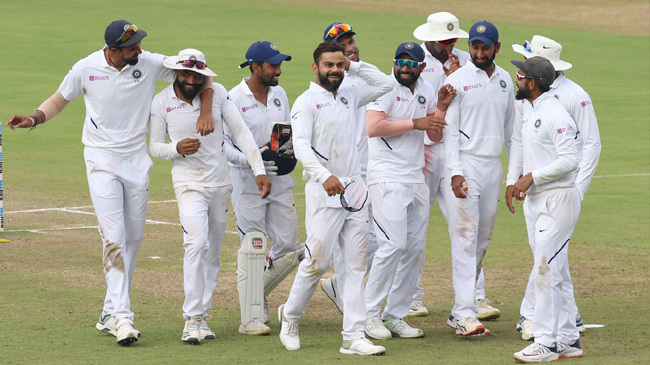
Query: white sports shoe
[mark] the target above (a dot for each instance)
(205, 333)
(418, 309)
(126, 334)
(107, 323)
(361, 346)
(451, 323)
(289, 335)
(399, 328)
(469, 326)
(536, 352)
(192, 331)
(375, 329)
(525, 326)
(267, 319)
(486, 312)
(568, 351)
(256, 327)
(332, 292)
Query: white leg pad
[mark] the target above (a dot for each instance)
(282, 267)
(250, 270)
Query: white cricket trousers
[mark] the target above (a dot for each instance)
(551, 216)
(119, 189)
(471, 221)
(434, 176)
(203, 214)
(274, 215)
(400, 215)
(327, 227)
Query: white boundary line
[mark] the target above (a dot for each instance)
(78, 210)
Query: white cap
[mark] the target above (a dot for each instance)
(188, 54)
(439, 27)
(543, 47)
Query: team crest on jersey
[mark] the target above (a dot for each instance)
(136, 73)
(276, 101)
(344, 100)
(422, 100)
(538, 122)
(503, 84)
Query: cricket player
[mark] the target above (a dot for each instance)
(579, 106)
(118, 84)
(325, 142)
(440, 34)
(396, 123)
(343, 34)
(261, 102)
(201, 179)
(479, 122)
(545, 155)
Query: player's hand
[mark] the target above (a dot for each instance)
(510, 193)
(264, 185)
(19, 121)
(270, 168)
(347, 63)
(430, 122)
(522, 185)
(188, 146)
(446, 94)
(454, 64)
(205, 125)
(333, 186)
(459, 186)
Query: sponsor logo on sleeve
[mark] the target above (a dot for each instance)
(585, 103)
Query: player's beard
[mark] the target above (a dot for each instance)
(485, 65)
(268, 80)
(524, 93)
(332, 86)
(188, 94)
(406, 82)
(131, 61)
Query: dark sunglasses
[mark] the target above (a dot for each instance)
(127, 34)
(192, 63)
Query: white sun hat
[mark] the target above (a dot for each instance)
(439, 27)
(189, 59)
(543, 47)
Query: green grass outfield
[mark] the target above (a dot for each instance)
(51, 282)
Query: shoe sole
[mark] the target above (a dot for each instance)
(350, 352)
(478, 331)
(418, 314)
(192, 341)
(378, 338)
(530, 362)
(263, 332)
(419, 335)
(489, 317)
(322, 281)
(208, 337)
(128, 341)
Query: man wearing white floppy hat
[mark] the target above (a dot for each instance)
(578, 103)
(440, 34)
(200, 177)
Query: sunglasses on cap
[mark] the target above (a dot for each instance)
(344, 202)
(407, 63)
(127, 34)
(192, 63)
(527, 47)
(520, 76)
(447, 42)
(339, 29)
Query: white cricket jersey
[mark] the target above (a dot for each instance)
(258, 117)
(480, 118)
(355, 81)
(117, 102)
(208, 167)
(435, 74)
(325, 127)
(579, 106)
(400, 158)
(546, 145)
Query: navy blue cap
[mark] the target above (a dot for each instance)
(412, 49)
(485, 32)
(115, 30)
(264, 52)
(341, 31)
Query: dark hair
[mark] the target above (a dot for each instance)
(250, 66)
(325, 47)
(543, 88)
